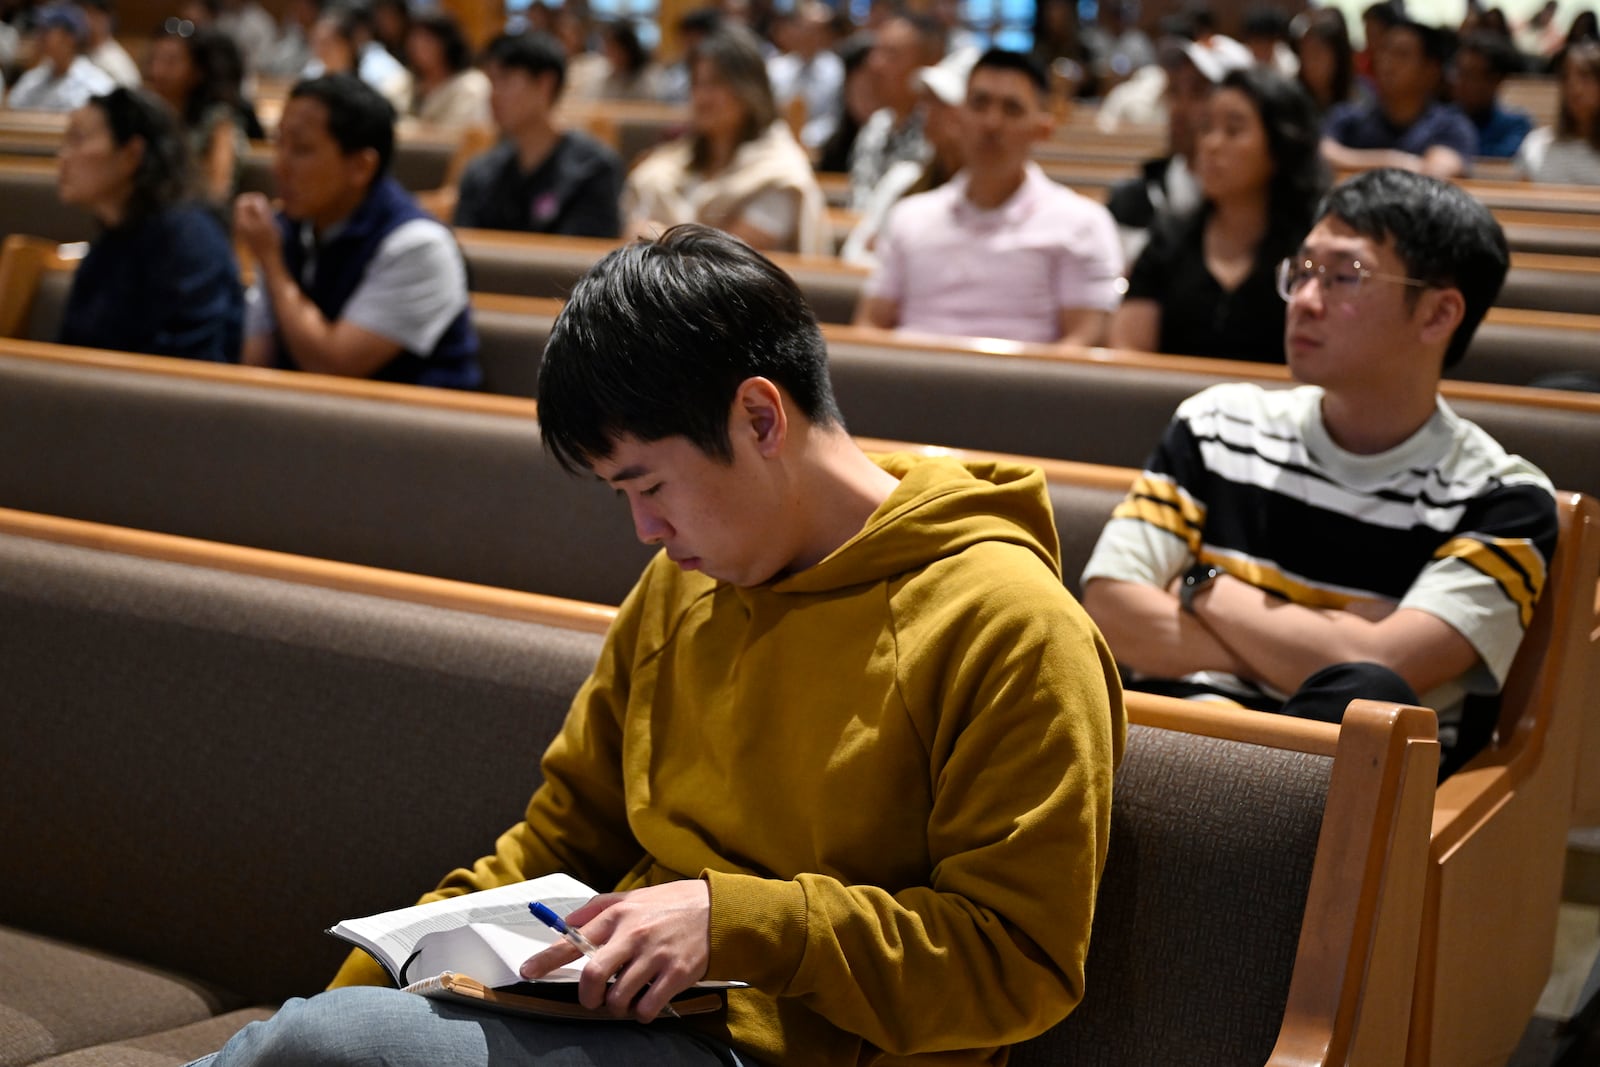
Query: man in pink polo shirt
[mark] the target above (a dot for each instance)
(1000, 250)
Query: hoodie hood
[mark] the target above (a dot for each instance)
(941, 508)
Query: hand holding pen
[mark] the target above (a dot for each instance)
(575, 938)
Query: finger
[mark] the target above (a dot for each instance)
(542, 963)
(594, 984)
(586, 912)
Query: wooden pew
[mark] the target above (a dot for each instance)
(1208, 803)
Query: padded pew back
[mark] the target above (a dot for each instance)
(467, 495)
(207, 769)
(1212, 845)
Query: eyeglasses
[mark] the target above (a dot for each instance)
(1339, 282)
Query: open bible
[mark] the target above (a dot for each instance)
(470, 948)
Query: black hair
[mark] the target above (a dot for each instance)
(702, 20)
(1438, 45)
(1201, 17)
(1294, 137)
(1385, 12)
(657, 338)
(626, 36)
(1021, 62)
(1328, 25)
(1266, 22)
(1442, 234)
(358, 116)
(1495, 49)
(220, 64)
(163, 177)
(444, 28)
(535, 52)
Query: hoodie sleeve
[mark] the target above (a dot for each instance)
(575, 822)
(1017, 698)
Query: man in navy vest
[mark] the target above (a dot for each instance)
(353, 278)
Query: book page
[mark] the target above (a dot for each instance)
(392, 936)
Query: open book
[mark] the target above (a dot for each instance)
(471, 947)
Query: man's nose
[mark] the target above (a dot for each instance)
(650, 528)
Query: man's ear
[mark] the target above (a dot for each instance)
(362, 166)
(761, 415)
(1439, 312)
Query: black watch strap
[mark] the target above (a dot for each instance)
(1195, 579)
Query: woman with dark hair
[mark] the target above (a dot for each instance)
(1569, 154)
(739, 168)
(198, 73)
(632, 73)
(160, 278)
(446, 88)
(857, 101)
(1205, 284)
(1327, 62)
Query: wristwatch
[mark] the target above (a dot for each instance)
(1195, 579)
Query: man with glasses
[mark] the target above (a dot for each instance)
(1294, 549)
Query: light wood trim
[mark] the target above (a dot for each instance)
(23, 261)
(1232, 724)
(345, 577)
(1354, 970)
(269, 378)
(1553, 321)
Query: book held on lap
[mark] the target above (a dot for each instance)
(470, 947)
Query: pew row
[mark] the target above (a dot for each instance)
(387, 456)
(218, 713)
(1513, 347)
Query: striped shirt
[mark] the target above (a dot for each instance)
(1248, 480)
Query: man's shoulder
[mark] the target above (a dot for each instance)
(580, 151)
(1248, 402)
(489, 164)
(1055, 203)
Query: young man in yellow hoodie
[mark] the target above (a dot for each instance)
(849, 740)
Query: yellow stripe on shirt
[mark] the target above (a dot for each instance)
(1522, 583)
(1159, 502)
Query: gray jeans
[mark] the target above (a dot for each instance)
(364, 1026)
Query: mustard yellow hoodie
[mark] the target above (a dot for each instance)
(893, 769)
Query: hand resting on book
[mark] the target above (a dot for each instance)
(656, 941)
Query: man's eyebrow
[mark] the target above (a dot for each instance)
(627, 474)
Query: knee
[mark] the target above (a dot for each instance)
(1327, 692)
(340, 1028)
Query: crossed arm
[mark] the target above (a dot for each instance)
(1246, 631)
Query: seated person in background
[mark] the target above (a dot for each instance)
(1569, 154)
(64, 78)
(1354, 537)
(903, 860)
(449, 90)
(858, 99)
(693, 27)
(103, 48)
(631, 72)
(343, 43)
(198, 75)
(160, 277)
(943, 97)
(1000, 250)
(291, 53)
(538, 178)
(901, 46)
(1206, 284)
(1266, 34)
(1405, 126)
(1483, 62)
(811, 72)
(1167, 185)
(353, 278)
(1327, 62)
(739, 168)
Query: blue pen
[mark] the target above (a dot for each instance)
(577, 940)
